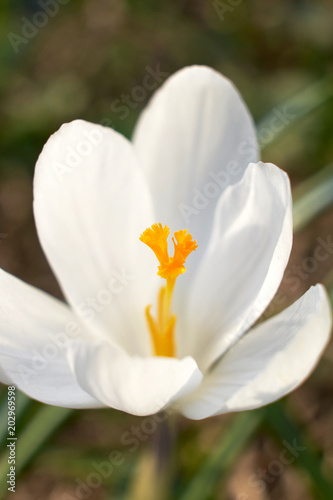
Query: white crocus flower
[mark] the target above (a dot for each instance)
(136, 340)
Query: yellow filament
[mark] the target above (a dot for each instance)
(162, 329)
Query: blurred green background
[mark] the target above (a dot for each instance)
(83, 59)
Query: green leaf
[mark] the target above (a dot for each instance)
(312, 197)
(35, 434)
(305, 457)
(298, 107)
(223, 456)
(22, 403)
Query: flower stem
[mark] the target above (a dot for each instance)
(153, 476)
(165, 460)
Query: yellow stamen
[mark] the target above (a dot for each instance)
(163, 329)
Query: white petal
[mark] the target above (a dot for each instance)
(269, 361)
(91, 205)
(195, 137)
(35, 334)
(136, 385)
(244, 263)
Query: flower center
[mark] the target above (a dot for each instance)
(162, 329)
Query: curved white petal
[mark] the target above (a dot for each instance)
(91, 204)
(244, 264)
(136, 385)
(269, 361)
(194, 139)
(36, 331)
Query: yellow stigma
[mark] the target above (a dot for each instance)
(162, 329)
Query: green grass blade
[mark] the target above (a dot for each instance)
(300, 105)
(223, 456)
(330, 290)
(286, 431)
(29, 441)
(22, 403)
(312, 197)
